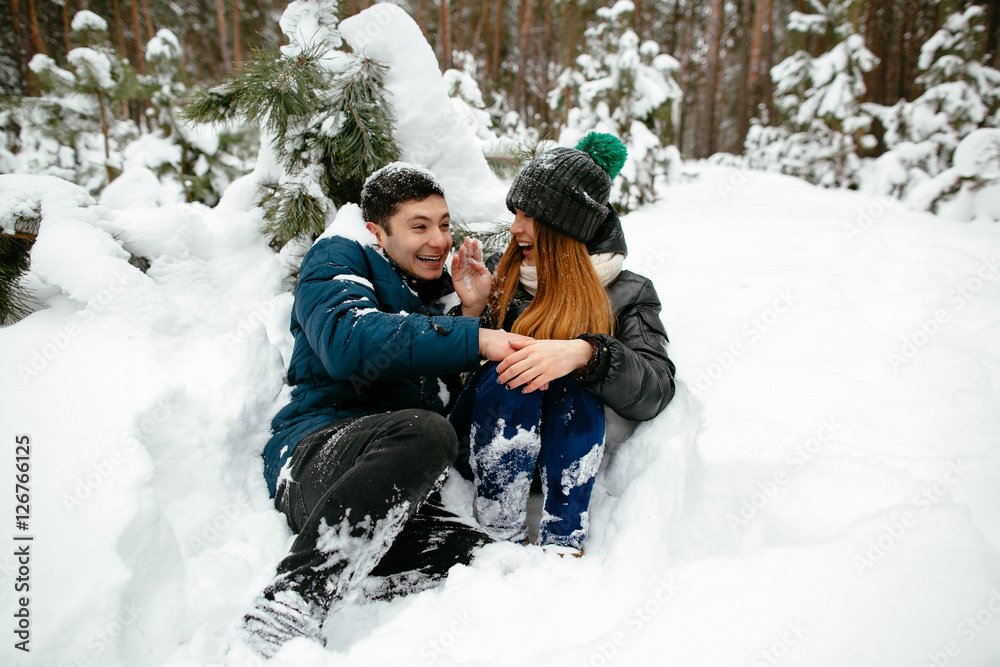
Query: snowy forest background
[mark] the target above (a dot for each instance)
(873, 95)
(822, 490)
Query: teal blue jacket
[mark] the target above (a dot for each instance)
(366, 341)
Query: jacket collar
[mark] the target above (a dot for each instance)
(427, 291)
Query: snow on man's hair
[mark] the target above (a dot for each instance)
(392, 185)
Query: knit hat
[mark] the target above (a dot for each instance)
(568, 188)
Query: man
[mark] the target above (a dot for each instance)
(363, 440)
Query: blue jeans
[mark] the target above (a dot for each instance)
(509, 433)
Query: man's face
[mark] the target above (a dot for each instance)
(420, 238)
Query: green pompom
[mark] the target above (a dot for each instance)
(607, 151)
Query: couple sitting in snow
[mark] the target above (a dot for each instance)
(378, 413)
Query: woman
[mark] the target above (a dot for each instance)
(598, 342)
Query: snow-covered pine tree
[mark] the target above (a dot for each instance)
(823, 124)
(502, 133)
(323, 115)
(72, 130)
(204, 160)
(623, 87)
(962, 95)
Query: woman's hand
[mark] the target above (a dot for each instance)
(470, 277)
(538, 362)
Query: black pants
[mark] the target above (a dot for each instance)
(355, 495)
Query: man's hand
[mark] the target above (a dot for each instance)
(497, 345)
(538, 362)
(471, 278)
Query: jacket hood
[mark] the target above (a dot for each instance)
(610, 236)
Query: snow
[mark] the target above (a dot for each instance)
(164, 45)
(823, 488)
(309, 25)
(87, 20)
(428, 130)
(92, 67)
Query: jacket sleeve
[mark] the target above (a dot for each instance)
(633, 374)
(337, 307)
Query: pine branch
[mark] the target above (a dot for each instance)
(271, 91)
(493, 241)
(291, 212)
(14, 263)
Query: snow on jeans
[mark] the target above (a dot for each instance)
(559, 430)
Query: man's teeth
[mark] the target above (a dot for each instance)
(429, 258)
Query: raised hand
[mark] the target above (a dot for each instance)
(536, 363)
(471, 277)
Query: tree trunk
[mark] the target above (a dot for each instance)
(756, 47)
(742, 95)
(150, 30)
(422, 16)
(461, 41)
(913, 57)
(993, 34)
(706, 139)
(119, 29)
(105, 132)
(140, 57)
(525, 25)
(904, 28)
(19, 50)
(686, 80)
(66, 26)
(497, 25)
(237, 46)
(444, 35)
(220, 16)
(480, 42)
(544, 56)
(37, 43)
(767, 57)
(875, 41)
(637, 24)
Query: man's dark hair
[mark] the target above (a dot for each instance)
(393, 185)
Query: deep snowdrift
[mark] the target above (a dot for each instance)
(822, 491)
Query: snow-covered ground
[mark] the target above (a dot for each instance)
(824, 489)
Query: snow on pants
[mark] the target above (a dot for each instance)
(559, 430)
(352, 488)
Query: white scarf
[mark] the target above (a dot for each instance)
(607, 265)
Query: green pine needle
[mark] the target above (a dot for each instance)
(607, 150)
